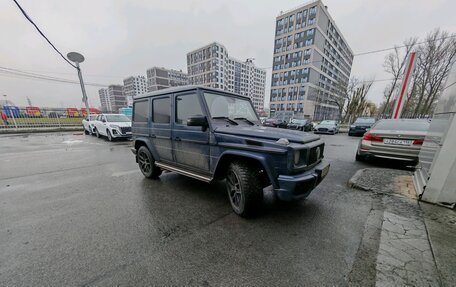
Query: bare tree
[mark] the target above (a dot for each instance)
(358, 101)
(345, 95)
(395, 64)
(435, 57)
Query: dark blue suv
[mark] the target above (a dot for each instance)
(211, 135)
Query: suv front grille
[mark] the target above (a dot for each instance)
(322, 129)
(125, 130)
(315, 154)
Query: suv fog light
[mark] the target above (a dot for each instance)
(114, 131)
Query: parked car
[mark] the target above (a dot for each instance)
(209, 134)
(327, 127)
(359, 127)
(275, 123)
(399, 139)
(87, 124)
(300, 124)
(112, 126)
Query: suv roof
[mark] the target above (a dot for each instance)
(183, 89)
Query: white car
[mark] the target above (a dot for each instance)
(112, 126)
(87, 124)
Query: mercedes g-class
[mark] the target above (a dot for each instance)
(210, 134)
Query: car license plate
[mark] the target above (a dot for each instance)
(325, 171)
(397, 142)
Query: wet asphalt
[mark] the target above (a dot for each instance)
(76, 211)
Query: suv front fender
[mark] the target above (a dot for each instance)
(228, 156)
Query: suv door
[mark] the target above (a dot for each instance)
(101, 125)
(190, 144)
(160, 132)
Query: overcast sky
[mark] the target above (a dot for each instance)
(123, 38)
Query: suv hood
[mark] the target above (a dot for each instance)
(268, 133)
(121, 124)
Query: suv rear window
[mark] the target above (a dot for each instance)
(161, 111)
(141, 111)
(403, 125)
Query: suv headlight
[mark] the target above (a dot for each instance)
(353, 126)
(114, 126)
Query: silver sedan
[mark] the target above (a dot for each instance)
(399, 139)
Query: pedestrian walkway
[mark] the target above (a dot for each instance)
(406, 253)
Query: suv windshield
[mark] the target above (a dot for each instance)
(364, 121)
(221, 106)
(117, 118)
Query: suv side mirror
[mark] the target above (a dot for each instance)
(197, 121)
(103, 120)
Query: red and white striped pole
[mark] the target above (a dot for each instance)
(400, 101)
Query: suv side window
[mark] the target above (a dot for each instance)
(141, 113)
(161, 109)
(187, 106)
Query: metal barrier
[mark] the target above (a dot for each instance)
(30, 119)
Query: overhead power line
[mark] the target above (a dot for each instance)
(42, 34)
(402, 46)
(381, 50)
(15, 73)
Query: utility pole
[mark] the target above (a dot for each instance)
(78, 58)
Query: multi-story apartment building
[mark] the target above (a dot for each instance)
(311, 62)
(104, 100)
(133, 86)
(117, 97)
(161, 78)
(211, 66)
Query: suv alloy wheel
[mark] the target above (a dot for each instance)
(244, 188)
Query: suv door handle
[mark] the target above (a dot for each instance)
(177, 138)
(153, 136)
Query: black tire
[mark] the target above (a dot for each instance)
(359, 157)
(146, 163)
(244, 188)
(97, 133)
(86, 132)
(109, 135)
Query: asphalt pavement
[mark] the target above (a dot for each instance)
(76, 211)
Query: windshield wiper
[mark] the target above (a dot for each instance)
(227, 119)
(245, 119)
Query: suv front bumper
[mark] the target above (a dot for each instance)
(299, 186)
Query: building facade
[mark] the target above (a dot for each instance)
(311, 63)
(133, 86)
(211, 66)
(117, 97)
(161, 78)
(104, 100)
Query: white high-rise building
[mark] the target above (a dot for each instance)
(311, 61)
(211, 66)
(133, 86)
(105, 100)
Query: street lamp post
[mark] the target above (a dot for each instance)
(78, 58)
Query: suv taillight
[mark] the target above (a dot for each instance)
(418, 142)
(370, 137)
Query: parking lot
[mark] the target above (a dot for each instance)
(76, 210)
